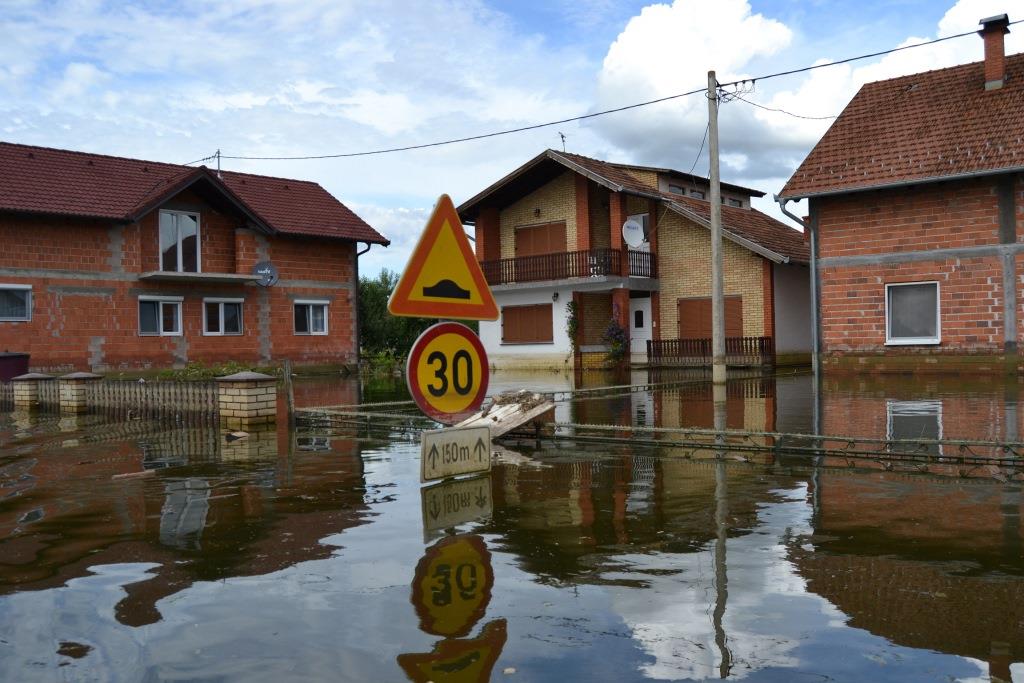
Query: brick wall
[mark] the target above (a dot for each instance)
(85, 293)
(596, 313)
(684, 268)
(598, 207)
(557, 202)
(949, 215)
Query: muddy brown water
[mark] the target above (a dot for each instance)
(319, 556)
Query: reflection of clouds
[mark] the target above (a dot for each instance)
(672, 619)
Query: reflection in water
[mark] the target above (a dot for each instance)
(278, 558)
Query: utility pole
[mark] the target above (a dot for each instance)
(717, 295)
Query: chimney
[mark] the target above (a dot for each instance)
(992, 31)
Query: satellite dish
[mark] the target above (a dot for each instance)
(633, 233)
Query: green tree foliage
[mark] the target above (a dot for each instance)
(383, 333)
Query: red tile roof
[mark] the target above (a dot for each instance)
(54, 181)
(929, 126)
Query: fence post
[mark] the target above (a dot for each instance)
(289, 392)
(247, 398)
(26, 389)
(71, 388)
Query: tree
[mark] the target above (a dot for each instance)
(381, 331)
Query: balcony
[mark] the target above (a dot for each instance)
(570, 264)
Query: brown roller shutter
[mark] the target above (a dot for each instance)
(695, 317)
(527, 324)
(540, 239)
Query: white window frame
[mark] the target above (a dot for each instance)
(221, 301)
(312, 302)
(895, 408)
(199, 242)
(161, 300)
(28, 303)
(911, 341)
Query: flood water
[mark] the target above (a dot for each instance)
(320, 556)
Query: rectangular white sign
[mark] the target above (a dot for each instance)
(450, 452)
(451, 503)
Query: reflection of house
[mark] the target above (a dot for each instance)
(901, 570)
(915, 208)
(550, 234)
(120, 263)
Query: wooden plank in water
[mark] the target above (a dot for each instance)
(505, 417)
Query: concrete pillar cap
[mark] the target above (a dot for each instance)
(247, 376)
(81, 375)
(31, 376)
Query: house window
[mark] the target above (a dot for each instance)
(677, 189)
(914, 421)
(912, 313)
(698, 194)
(734, 202)
(222, 316)
(160, 316)
(638, 319)
(179, 241)
(527, 324)
(311, 317)
(15, 303)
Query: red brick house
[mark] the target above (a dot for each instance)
(916, 219)
(550, 234)
(112, 263)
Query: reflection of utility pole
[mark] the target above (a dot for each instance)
(717, 285)
(721, 576)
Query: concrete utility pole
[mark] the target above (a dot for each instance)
(717, 286)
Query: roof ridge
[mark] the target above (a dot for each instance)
(965, 66)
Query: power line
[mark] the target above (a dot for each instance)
(703, 140)
(591, 115)
(783, 111)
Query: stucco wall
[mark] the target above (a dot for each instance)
(792, 308)
(556, 354)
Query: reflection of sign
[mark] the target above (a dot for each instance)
(450, 452)
(447, 372)
(443, 278)
(451, 503)
(458, 661)
(267, 272)
(633, 233)
(452, 585)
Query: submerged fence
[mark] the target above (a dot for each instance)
(131, 399)
(738, 351)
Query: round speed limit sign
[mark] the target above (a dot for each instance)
(447, 372)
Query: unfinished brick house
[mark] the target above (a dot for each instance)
(916, 219)
(551, 233)
(113, 263)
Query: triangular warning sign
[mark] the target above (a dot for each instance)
(443, 278)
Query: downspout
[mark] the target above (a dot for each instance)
(358, 318)
(810, 228)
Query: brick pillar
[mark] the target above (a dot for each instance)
(26, 389)
(247, 398)
(72, 391)
(488, 234)
(768, 292)
(260, 444)
(616, 217)
(582, 214)
(245, 251)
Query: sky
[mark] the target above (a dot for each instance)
(176, 81)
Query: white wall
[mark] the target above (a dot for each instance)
(792, 308)
(554, 355)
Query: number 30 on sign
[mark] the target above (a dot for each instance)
(447, 372)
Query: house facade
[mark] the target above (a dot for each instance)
(118, 264)
(550, 241)
(916, 219)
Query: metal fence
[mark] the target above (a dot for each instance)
(131, 398)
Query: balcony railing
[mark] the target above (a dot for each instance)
(738, 351)
(569, 264)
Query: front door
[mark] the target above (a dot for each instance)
(640, 328)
